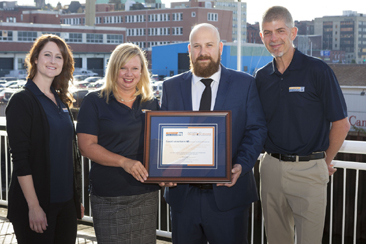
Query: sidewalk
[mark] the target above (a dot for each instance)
(85, 234)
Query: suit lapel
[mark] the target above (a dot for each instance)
(186, 89)
(223, 88)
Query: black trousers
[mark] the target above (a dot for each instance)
(61, 229)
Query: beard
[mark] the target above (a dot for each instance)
(207, 70)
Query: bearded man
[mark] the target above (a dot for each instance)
(216, 213)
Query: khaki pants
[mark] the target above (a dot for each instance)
(293, 195)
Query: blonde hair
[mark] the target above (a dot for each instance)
(120, 56)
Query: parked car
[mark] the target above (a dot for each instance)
(2, 83)
(78, 95)
(158, 89)
(19, 74)
(81, 84)
(9, 83)
(6, 94)
(96, 84)
(80, 77)
(154, 78)
(9, 78)
(86, 72)
(93, 79)
(85, 83)
(19, 84)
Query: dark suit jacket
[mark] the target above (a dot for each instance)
(237, 92)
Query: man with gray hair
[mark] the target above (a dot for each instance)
(307, 123)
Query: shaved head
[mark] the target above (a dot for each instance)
(207, 27)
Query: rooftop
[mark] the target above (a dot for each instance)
(350, 74)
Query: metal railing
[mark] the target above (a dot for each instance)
(256, 231)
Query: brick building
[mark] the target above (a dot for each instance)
(91, 46)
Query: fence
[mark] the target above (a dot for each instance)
(345, 221)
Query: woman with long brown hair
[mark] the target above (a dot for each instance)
(44, 195)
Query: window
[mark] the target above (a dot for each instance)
(159, 31)
(177, 16)
(134, 18)
(94, 38)
(151, 44)
(140, 44)
(11, 19)
(73, 37)
(53, 33)
(114, 38)
(136, 32)
(6, 35)
(212, 16)
(28, 36)
(177, 31)
(193, 14)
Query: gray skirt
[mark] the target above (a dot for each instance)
(125, 219)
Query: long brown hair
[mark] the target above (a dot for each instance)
(61, 82)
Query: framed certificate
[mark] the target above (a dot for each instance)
(189, 147)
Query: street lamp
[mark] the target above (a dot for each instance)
(238, 28)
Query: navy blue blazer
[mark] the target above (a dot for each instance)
(237, 92)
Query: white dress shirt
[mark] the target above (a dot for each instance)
(198, 87)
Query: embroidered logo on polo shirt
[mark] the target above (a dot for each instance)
(296, 89)
(65, 110)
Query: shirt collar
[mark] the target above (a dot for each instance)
(295, 64)
(35, 90)
(215, 77)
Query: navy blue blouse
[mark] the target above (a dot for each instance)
(61, 135)
(120, 129)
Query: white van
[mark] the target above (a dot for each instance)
(21, 73)
(85, 72)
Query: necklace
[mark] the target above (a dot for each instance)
(123, 100)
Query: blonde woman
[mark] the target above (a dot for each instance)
(111, 133)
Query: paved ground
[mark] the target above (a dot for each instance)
(85, 232)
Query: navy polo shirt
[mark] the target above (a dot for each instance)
(61, 136)
(299, 105)
(120, 129)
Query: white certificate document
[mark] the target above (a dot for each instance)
(192, 146)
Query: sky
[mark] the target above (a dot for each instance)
(300, 10)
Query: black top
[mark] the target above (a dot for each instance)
(29, 134)
(61, 134)
(299, 105)
(120, 130)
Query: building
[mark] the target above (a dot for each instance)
(233, 6)
(146, 28)
(305, 27)
(91, 46)
(253, 33)
(152, 27)
(351, 77)
(11, 12)
(173, 59)
(344, 33)
(230, 5)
